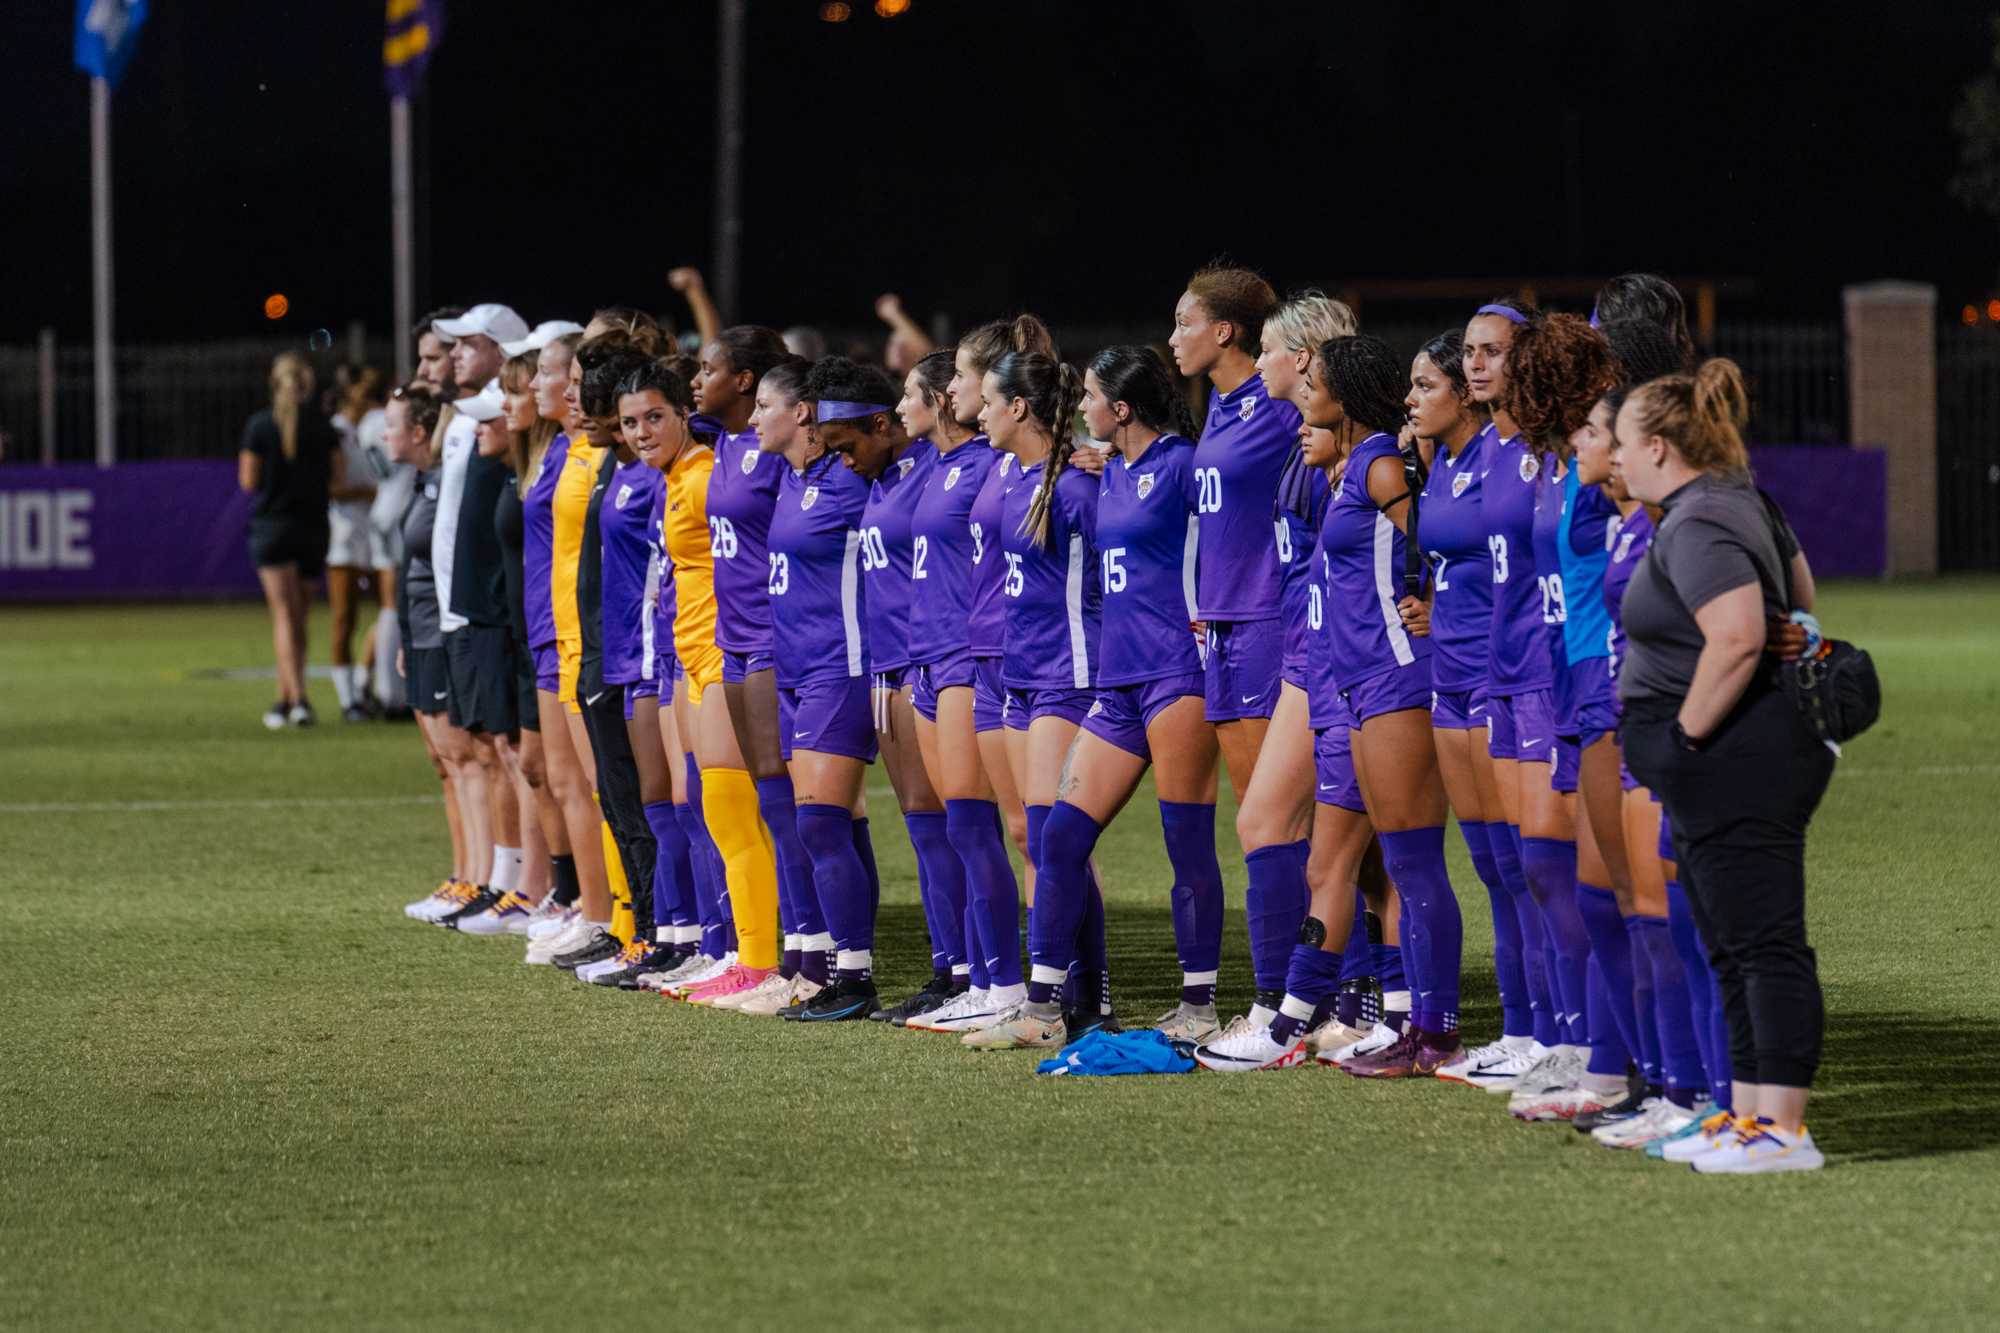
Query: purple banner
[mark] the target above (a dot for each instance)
(136, 531)
(1837, 500)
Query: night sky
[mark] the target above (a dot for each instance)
(1077, 158)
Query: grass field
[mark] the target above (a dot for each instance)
(238, 1088)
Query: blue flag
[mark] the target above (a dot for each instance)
(107, 35)
(411, 32)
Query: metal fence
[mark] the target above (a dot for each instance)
(1968, 448)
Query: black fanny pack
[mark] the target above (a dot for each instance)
(1835, 687)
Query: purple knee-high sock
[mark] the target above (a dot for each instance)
(864, 848)
(1544, 1008)
(1276, 901)
(1704, 998)
(1357, 963)
(693, 868)
(1516, 1018)
(1433, 932)
(710, 886)
(942, 877)
(826, 832)
(1608, 1054)
(1311, 975)
(993, 895)
(1062, 837)
(1680, 1053)
(1091, 981)
(1550, 864)
(1647, 1052)
(1189, 829)
(795, 876)
(670, 867)
(1611, 946)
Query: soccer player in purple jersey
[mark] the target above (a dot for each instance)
(1274, 815)
(1375, 623)
(1053, 598)
(954, 558)
(741, 491)
(1557, 369)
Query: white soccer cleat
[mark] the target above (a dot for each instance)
(1760, 1148)
(1656, 1119)
(767, 997)
(1380, 1038)
(1189, 1022)
(1246, 1049)
(1715, 1131)
(550, 947)
(712, 968)
(967, 1011)
(1559, 1068)
(1471, 1058)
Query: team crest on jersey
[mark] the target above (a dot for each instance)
(1145, 485)
(951, 478)
(903, 466)
(749, 461)
(1530, 465)
(624, 494)
(1459, 483)
(810, 498)
(1249, 405)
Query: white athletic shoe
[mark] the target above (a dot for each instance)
(443, 903)
(1189, 1022)
(508, 916)
(1333, 1035)
(1715, 1131)
(1472, 1058)
(767, 997)
(1019, 1030)
(547, 918)
(714, 968)
(617, 962)
(1562, 1067)
(1248, 1048)
(1564, 1103)
(681, 971)
(1657, 1118)
(1760, 1147)
(420, 909)
(965, 1012)
(550, 947)
(1380, 1038)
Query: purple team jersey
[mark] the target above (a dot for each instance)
(815, 573)
(1628, 547)
(741, 491)
(1365, 562)
(885, 554)
(662, 647)
(1517, 643)
(1324, 706)
(625, 524)
(943, 555)
(1453, 530)
(1049, 590)
(538, 520)
(1296, 536)
(1245, 442)
(987, 632)
(1146, 540)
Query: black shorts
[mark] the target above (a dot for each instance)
(479, 660)
(281, 543)
(526, 707)
(425, 680)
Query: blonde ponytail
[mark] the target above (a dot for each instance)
(291, 385)
(1701, 415)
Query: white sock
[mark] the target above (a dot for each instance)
(343, 686)
(1005, 996)
(1396, 1002)
(1261, 1015)
(507, 862)
(359, 674)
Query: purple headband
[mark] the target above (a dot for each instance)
(1506, 312)
(834, 409)
(1593, 318)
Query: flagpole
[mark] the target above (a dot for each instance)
(100, 266)
(403, 232)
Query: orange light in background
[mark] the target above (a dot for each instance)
(1969, 315)
(889, 9)
(1993, 311)
(834, 13)
(275, 306)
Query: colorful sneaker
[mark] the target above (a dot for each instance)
(772, 994)
(456, 897)
(1082, 1022)
(1020, 1030)
(842, 1002)
(699, 977)
(736, 980)
(618, 960)
(1380, 1038)
(803, 990)
(622, 969)
(507, 916)
(1657, 1149)
(1760, 1148)
(937, 992)
(1396, 1060)
(1710, 1133)
(1248, 1048)
(480, 900)
(1195, 1023)
(1655, 1121)
(1564, 1103)
(432, 903)
(1435, 1050)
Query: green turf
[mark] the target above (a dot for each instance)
(238, 1088)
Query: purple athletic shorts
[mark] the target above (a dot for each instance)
(1458, 710)
(831, 716)
(1523, 727)
(1390, 691)
(1333, 762)
(1568, 766)
(548, 668)
(1667, 852)
(928, 678)
(1241, 673)
(989, 695)
(1121, 713)
(737, 667)
(1592, 700)
(640, 689)
(1022, 707)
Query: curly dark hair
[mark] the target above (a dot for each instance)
(1366, 378)
(1557, 371)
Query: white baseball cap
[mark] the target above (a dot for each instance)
(495, 321)
(485, 405)
(541, 336)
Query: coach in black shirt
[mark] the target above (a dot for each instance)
(1708, 727)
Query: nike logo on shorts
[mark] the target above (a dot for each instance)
(1529, 745)
(798, 735)
(1326, 786)
(440, 694)
(595, 697)
(1251, 698)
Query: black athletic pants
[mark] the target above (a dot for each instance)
(618, 793)
(1739, 808)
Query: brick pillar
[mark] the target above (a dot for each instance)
(1892, 404)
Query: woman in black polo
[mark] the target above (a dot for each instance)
(289, 460)
(1708, 727)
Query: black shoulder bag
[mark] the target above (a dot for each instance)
(1835, 687)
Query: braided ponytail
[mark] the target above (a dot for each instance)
(1053, 390)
